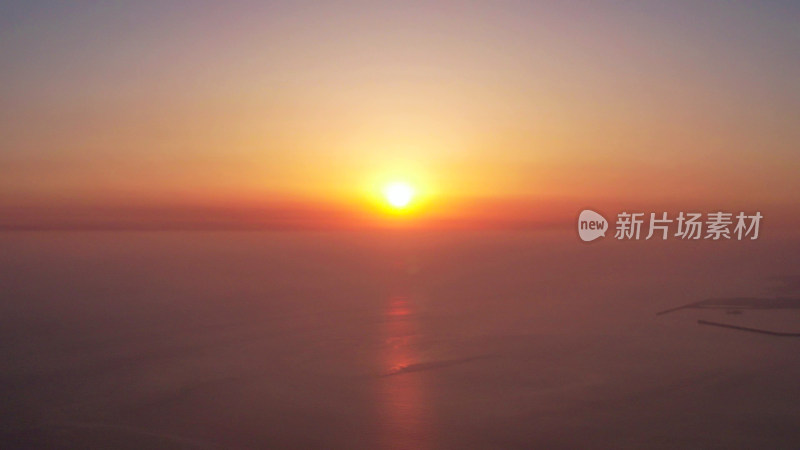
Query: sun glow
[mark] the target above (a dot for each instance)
(398, 194)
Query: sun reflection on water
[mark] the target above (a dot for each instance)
(405, 414)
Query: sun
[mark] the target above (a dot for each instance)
(398, 194)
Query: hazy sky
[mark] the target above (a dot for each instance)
(276, 102)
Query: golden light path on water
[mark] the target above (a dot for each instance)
(405, 415)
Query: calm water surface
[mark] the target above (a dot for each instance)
(390, 340)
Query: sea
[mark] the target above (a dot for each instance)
(394, 339)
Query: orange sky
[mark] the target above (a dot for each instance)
(500, 113)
